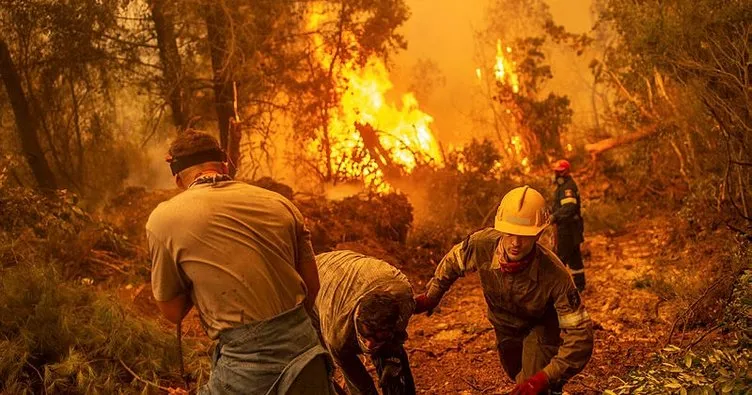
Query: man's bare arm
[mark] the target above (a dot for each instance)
(310, 275)
(176, 308)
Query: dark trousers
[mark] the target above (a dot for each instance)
(568, 250)
(522, 357)
(393, 369)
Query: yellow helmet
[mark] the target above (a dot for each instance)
(522, 212)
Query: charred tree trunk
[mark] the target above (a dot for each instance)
(225, 89)
(233, 146)
(377, 152)
(172, 69)
(25, 122)
(217, 25)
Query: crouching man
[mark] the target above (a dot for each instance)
(364, 305)
(543, 333)
(242, 255)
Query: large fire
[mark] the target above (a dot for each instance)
(505, 74)
(368, 137)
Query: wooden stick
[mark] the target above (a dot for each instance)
(44, 388)
(96, 260)
(180, 355)
(137, 377)
(707, 332)
(689, 309)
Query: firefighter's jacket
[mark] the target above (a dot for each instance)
(345, 278)
(541, 294)
(567, 209)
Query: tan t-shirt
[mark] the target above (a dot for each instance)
(235, 247)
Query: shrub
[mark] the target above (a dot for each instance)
(57, 333)
(676, 371)
(65, 337)
(723, 368)
(386, 218)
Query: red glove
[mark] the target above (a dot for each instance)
(424, 304)
(532, 386)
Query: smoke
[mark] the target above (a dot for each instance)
(150, 169)
(443, 53)
(343, 190)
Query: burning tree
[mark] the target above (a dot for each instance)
(528, 122)
(529, 119)
(352, 131)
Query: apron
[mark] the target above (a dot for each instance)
(266, 357)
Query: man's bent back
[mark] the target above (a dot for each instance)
(236, 245)
(243, 257)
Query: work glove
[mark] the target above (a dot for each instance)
(534, 385)
(391, 371)
(424, 304)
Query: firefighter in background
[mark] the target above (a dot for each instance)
(363, 307)
(544, 336)
(567, 217)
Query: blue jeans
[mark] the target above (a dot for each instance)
(268, 357)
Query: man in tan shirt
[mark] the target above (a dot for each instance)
(242, 255)
(544, 335)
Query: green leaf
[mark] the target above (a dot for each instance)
(671, 348)
(727, 387)
(673, 386)
(688, 360)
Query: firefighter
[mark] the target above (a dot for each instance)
(363, 307)
(567, 217)
(242, 255)
(544, 336)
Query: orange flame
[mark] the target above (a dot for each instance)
(504, 69)
(505, 73)
(404, 130)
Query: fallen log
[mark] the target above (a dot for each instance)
(602, 146)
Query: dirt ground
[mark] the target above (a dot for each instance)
(453, 351)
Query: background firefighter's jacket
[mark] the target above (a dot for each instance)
(566, 213)
(541, 295)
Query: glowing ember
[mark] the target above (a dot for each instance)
(525, 164)
(403, 133)
(517, 144)
(504, 69)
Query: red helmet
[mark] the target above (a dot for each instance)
(561, 165)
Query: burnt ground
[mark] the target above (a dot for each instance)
(453, 351)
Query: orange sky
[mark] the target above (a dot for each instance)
(443, 31)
